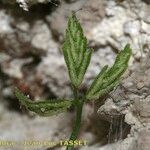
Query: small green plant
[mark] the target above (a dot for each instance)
(77, 57)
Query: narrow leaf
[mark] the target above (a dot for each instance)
(43, 108)
(104, 91)
(76, 55)
(107, 79)
(98, 80)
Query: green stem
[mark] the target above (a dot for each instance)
(76, 128)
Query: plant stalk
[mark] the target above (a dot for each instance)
(76, 128)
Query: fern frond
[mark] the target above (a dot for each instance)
(107, 79)
(43, 108)
(76, 55)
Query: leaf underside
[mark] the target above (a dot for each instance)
(109, 78)
(76, 54)
(43, 108)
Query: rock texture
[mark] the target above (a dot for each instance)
(131, 100)
(26, 4)
(31, 58)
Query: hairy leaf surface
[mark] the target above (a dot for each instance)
(43, 108)
(107, 79)
(76, 54)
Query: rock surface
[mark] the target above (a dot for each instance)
(31, 57)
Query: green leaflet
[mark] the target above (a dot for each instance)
(98, 80)
(105, 90)
(107, 79)
(76, 55)
(43, 108)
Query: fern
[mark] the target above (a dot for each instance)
(77, 57)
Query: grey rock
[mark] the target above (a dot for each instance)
(108, 27)
(21, 38)
(13, 67)
(25, 4)
(143, 140)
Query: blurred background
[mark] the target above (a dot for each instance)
(31, 36)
